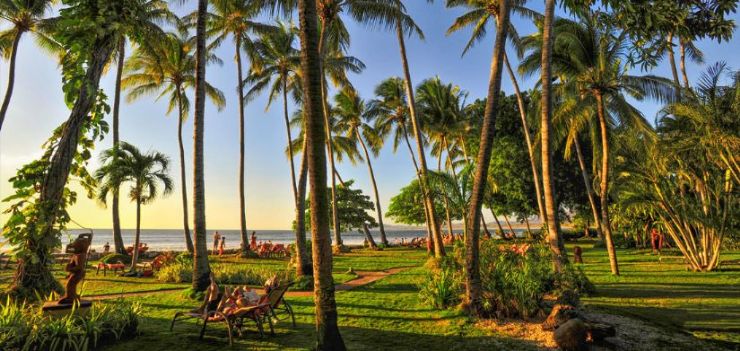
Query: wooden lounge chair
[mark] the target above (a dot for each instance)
(276, 300)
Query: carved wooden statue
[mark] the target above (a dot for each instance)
(76, 267)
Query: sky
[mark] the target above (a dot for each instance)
(38, 107)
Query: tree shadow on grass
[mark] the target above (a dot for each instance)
(666, 290)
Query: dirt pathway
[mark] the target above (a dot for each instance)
(363, 278)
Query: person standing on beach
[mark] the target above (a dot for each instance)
(253, 242)
(216, 240)
(221, 246)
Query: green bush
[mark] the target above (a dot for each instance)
(442, 286)
(175, 273)
(182, 272)
(23, 327)
(115, 258)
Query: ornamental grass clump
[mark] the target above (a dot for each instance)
(442, 285)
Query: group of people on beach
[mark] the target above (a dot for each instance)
(219, 243)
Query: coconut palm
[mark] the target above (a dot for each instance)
(275, 67)
(235, 18)
(589, 58)
(145, 172)
(25, 16)
(167, 68)
(351, 114)
(327, 329)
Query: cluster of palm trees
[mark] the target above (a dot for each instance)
(584, 90)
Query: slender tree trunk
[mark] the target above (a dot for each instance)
(473, 289)
(485, 227)
(327, 329)
(439, 248)
(378, 209)
(369, 237)
(551, 211)
(508, 224)
(11, 77)
(118, 245)
(589, 190)
(242, 204)
(498, 224)
(137, 237)
(672, 61)
(183, 177)
(605, 223)
(303, 261)
(527, 139)
(33, 272)
(446, 200)
(418, 176)
(291, 156)
(682, 47)
(201, 267)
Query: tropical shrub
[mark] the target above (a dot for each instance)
(115, 258)
(442, 285)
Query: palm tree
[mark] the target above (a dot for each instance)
(275, 66)
(201, 268)
(327, 329)
(235, 18)
(127, 164)
(351, 112)
(405, 25)
(167, 67)
(479, 14)
(24, 16)
(155, 13)
(589, 57)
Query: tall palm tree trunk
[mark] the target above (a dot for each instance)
(473, 290)
(589, 190)
(682, 47)
(527, 139)
(378, 209)
(446, 200)
(11, 77)
(327, 329)
(137, 237)
(508, 224)
(672, 61)
(439, 248)
(290, 139)
(303, 260)
(183, 177)
(604, 191)
(118, 245)
(33, 272)
(369, 237)
(201, 268)
(242, 204)
(554, 239)
(498, 223)
(430, 238)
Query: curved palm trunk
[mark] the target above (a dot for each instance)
(446, 200)
(303, 266)
(242, 205)
(555, 241)
(682, 47)
(118, 245)
(672, 61)
(183, 177)
(201, 267)
(33, 272)
(439, 248)
(137, 237)
(327, 329)
(11, 77)
(369, 237)
(383, 238)
(498, 224)
(508, 224)
(527, 138)
(589, 190)
(418, 176)
(473, 288)
(290, 139)
(605, 185)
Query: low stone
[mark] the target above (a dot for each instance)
(597, 332)
(571, 335)
(559, 315)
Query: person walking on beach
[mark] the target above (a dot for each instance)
(221, 246)
(216, 240)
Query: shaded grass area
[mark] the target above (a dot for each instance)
(665, 293)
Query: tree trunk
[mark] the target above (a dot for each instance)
(183, 177)
(327, 329)
(527, 139)
(418, 176)
(554, 239)
(137, 237)
(485, 227)
(682, 47)
(242, 204)
(444, 197)
(589, 190)
(439, 248)
(473, 288)
(605, 185)
(33, 272)
(672, 61)
(498, 224)
(201, 267)
(508, 224)
(369, 237)
(378, 209)
(303, 260)
(291, 156)
(118, 245)
(11, 77)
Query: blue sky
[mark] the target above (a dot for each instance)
(37, 108)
